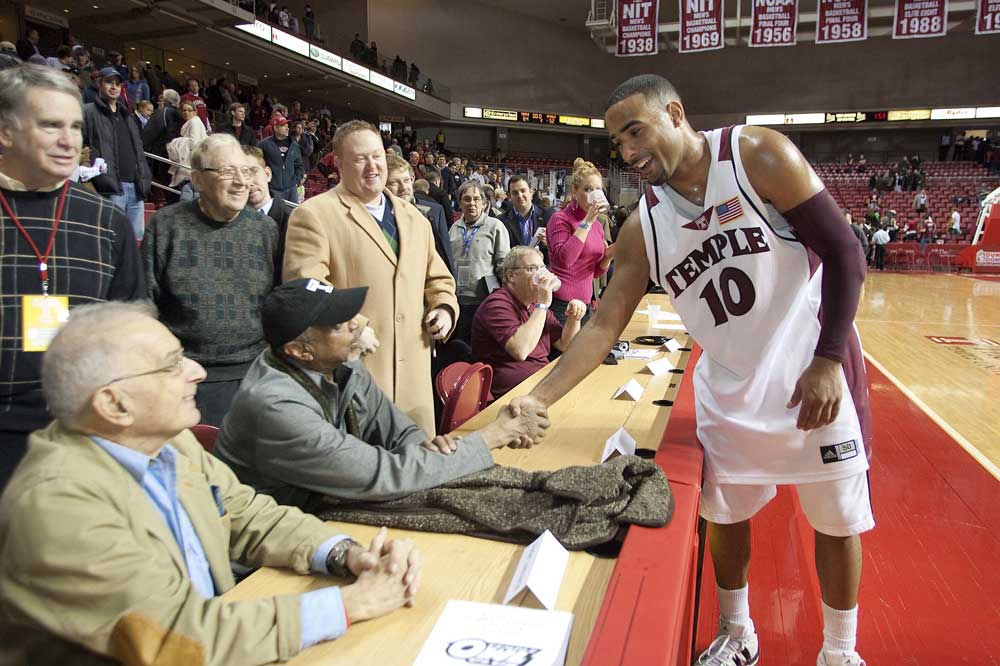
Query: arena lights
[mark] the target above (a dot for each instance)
(898, 115)
(473, 112)
(332, 60)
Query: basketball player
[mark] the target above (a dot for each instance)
(757, 259)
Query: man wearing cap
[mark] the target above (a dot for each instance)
(109, 133)
(284, 158)
(309, 420)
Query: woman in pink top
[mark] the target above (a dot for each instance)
(578, 252)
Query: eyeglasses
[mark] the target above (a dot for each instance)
(529, 269)
(228, 173)
(472, 199)
(173, 369)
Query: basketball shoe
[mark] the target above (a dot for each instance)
(839, 658)
(735, 645)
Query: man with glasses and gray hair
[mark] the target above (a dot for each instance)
(118, 528)
(209, 264)
(61, 245)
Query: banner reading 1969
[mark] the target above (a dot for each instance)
(774, 22)
(841, 21)
(638, 23)
(701, 25)
(920, 18)
(988, 17)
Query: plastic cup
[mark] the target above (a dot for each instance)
(654, 314)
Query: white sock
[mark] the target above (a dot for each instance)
(840, 629)
(734, 606)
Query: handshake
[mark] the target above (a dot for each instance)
(519, 425)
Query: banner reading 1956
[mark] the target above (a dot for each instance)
(841, 21)
(701, 25)
(774, 22)
(638, 22)
(920, 18)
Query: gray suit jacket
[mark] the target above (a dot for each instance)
(277, 440)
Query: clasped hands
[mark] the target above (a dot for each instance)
(388, 576)
(519, 425)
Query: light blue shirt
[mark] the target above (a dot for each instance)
(322, 611)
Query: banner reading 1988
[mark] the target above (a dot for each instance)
(774, 22)
(701, 25)
(920, 18)
(638, 23)
(841, 21)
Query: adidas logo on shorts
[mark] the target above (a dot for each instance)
(838, 452)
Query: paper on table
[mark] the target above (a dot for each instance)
(632, 390)
(663, 316)
(540, 571)
(473, 633)
(621, 442)
(672, 345)
(644, 354)
(660, 366)
(670, 327)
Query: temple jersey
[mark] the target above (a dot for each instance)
(748, 292)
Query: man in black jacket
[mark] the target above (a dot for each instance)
(436, 191)
(523, 218)
(237, 125)
(109, 134)
(163, 127)
(284, 159)
(274, 207)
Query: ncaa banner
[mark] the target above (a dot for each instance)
(842, 21)
(638, 23)
(988, 17)
(701, 25)
(774, 22)
(920, 18)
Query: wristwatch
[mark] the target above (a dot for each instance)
(585, 225)
(541, 306)
(336, 561)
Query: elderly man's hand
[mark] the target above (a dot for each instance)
(445, 444)
(388, 574)
(575, 310)
(525, 421)
(438, 323)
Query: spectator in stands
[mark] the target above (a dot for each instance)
(237, 125)
(956, 224)
(284, 158)
(137, 87)
(514, 331)
(306, 143)
(435, 190)
(921, 202)
(62, 58)
(880, 239)
(163, 127)
(414, 74)
(283, 16)
(428, 165)
(109, 134)
(209, 264)
(479, 244)
(309, 23)
(289, 434)
(117, 60)
(398, 68)
(578, 252)
(859, 233)
(181, 150)
(357, 48)
(193, 88)
(93, 256)
(371, 54)
(81, 58)
(523, 218)
(259, 197)
(351, 236)
(119, 528)
(28, 46)
(439, 140)
(399, 181)
(414, 158)
(926, 232)
(143, 111)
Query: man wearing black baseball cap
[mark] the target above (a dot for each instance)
(309, 420)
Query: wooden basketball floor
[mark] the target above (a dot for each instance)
(930, 592)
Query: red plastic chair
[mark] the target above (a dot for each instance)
(205, 434)
(464, 390)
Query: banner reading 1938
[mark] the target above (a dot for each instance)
(701, 25)
(638, 22)
(841, 21)
(774, 22)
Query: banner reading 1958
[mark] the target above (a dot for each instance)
(988, 17)
(701, 25)
(774, 22)
(920, 18)
(638, 21)
(841, 21)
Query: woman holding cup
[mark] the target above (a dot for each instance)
(578, 252)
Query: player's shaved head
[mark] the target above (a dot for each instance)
(654, 88)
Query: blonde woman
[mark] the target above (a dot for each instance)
(578, 252)
(180, 149)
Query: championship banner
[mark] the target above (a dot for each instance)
(638, 22)
(988, 17)
(920, 18)
(701, 25)
(774, 22)
(841, 21)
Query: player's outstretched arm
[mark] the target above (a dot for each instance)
(592, 344)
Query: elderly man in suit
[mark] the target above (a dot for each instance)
(358, 234)
(400, 182)
(117, 529)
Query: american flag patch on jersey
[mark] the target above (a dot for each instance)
(729, 210)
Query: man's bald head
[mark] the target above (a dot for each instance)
(657, 91)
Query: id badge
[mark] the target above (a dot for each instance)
(41, 319)
(465, 276)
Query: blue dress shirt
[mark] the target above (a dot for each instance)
(322, 611)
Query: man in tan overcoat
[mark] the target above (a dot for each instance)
(358, 234)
